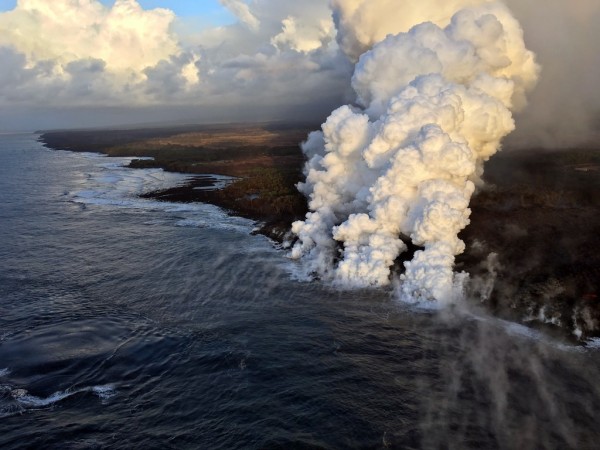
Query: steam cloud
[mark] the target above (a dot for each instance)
(435, 102)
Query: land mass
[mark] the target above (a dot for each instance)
(264, 161)
(533, 246)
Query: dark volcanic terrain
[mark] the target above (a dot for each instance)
(533, 246)
(265, 160)
(535, 237)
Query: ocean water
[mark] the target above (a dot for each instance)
(129, 323)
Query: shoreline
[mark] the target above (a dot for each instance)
(533, 245)
(199, 190)
(270, 165)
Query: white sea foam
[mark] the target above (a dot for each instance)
(593, 343)
(229, 223)
(191, 223)
(15, 400)
(4, 372)
(112, 184)
(104, 392)
(31, 401)
(297, 272)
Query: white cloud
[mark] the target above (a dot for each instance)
(126, 37)
(80, 53)
(242, 11)
(303, 37)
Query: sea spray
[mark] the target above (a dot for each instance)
(434, 104)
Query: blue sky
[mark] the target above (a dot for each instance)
(210, 11)
(5, 5)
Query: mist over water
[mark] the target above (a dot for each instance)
(127, 323)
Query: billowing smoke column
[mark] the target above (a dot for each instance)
(434, 105)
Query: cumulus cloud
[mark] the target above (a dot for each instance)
(302, 36)
(278, 56)
(81, 52)
(125, 37)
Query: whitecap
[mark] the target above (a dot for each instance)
(31, 401)
(593, 343)
(105, 392)
(27, 400)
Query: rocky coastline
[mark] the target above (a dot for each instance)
(533, 246)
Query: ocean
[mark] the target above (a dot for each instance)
(128, 323)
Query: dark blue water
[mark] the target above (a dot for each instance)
(127, 323)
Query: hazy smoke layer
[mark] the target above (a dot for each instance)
(564, 107)
(435, 103)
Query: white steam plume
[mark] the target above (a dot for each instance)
(434, 105)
